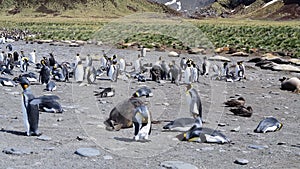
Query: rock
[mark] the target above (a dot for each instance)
(281, 143)
(49, 148)
(87, 152)
(277, 108)
(177, 165)
(44, 138)
(107, 157)
(237, 129)
(166, 104)
(221, 124)
(258, 147)
(59, 119)
(207, 148)
(241, 161)
(15, 151)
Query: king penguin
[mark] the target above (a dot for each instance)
(44, 73)
(51, 86)
(141, 123)
(203, 135)
(143, 91)
(79, 72)
(268, 124)
(30, 109)
(194, 101)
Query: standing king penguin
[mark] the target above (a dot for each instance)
(194, 101)
(141, 123)
(79, 72)
(30, 109)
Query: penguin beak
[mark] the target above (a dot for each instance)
(280, 126)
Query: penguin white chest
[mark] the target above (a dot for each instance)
(79, 73)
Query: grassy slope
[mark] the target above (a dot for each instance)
(81, 24)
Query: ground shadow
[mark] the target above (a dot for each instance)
(128, 140)
(18, 133)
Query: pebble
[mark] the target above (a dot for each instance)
(177, 165)
(221, 124)
(59, 119)
(207, 148)
(44, 138)
(166, 104)
(87, 152)
(257, 147)
(49, 148)
(102, 101)
(14, 151)
(274, 93)
(281, 143)
(241, 161)
(107, 157)
(237, 129)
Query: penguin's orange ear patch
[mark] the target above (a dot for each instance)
(25, 86)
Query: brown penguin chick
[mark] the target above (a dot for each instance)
(242, 111)
(235, 102)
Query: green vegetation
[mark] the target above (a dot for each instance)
(272, 36)
(243, 34)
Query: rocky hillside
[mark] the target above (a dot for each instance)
(257, 9)
(81, 8)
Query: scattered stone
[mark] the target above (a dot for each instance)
(107, 157)
(281, 143)
(207, 148)
(79, 138)
(166, 104)
(258, 147)
(14, 151)
(177, 165)
(274, 93)
(237, 129)
(102, 101)
(87, 152)
(44, 138)
(59, 119)
(221, 124)
(49, 148)
(241, 161)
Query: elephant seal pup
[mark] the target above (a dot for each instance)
(290, 84)
(121, 115)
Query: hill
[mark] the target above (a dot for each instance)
(255, 9)
(81, 8)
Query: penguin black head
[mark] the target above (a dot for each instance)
(24, 82)
(188, 87)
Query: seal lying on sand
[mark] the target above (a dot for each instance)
(290, 84)
(122, 114)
